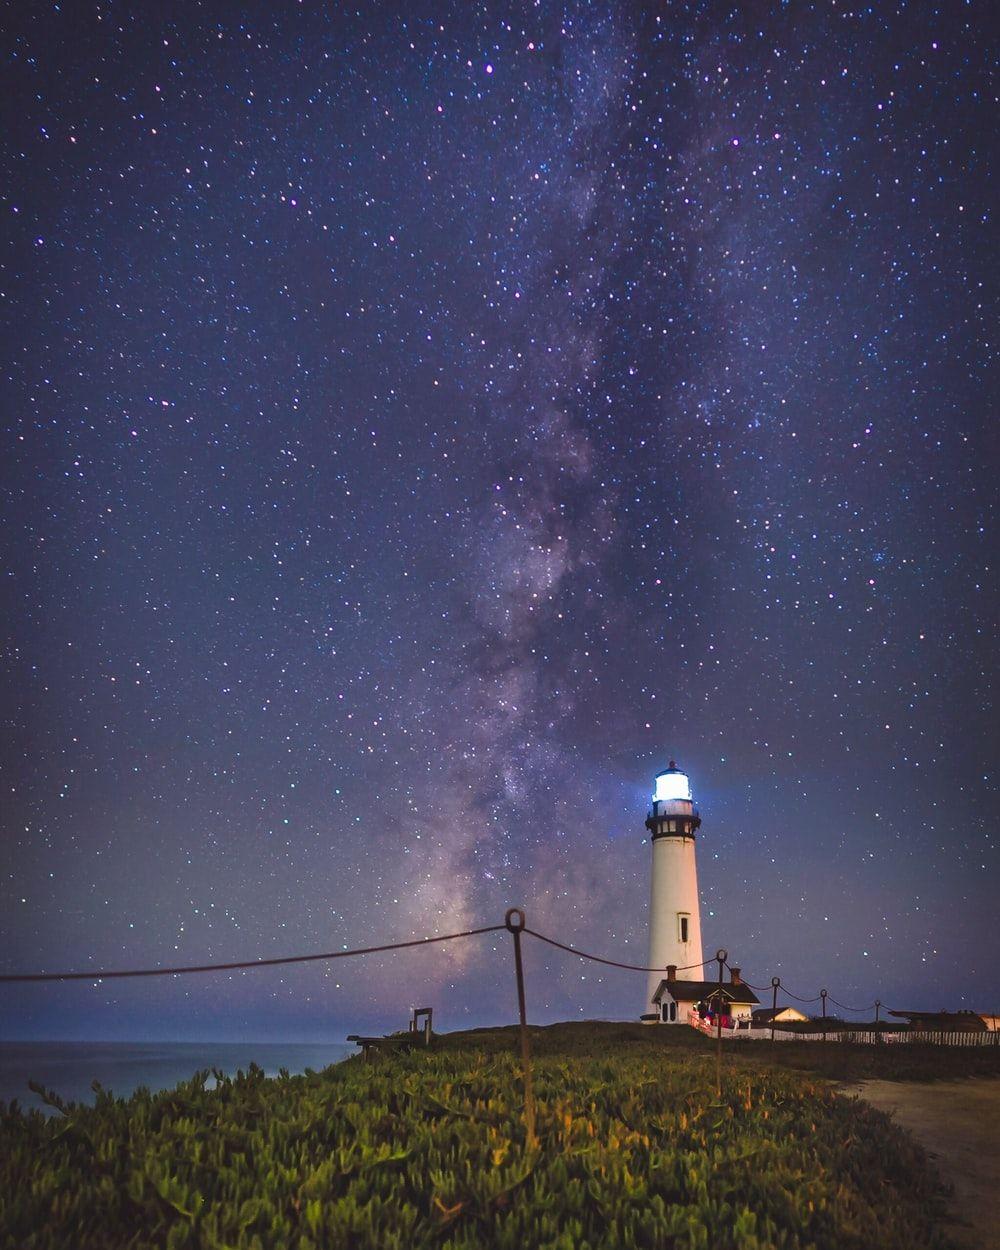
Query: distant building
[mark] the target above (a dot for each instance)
(946, 1021)
(763, 1017)
(675, 1001)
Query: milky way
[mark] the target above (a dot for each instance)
(420, 424)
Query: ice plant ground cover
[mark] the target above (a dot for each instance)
(427, 1149)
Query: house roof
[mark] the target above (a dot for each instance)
(695, 991)
(966, 1020)
(764, 1015)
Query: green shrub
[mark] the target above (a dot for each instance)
(427, 1149)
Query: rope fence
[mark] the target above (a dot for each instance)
(612, 963)
(853, 1010)
(798, 997)
(515, 924)
(108, 974)
(822, 996)
(105, 975)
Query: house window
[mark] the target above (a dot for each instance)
(668, 1012)
(683, 926)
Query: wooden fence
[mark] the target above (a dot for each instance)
(869, 1037)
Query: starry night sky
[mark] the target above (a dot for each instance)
(422, 422)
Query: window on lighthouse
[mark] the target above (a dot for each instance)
(683, 925)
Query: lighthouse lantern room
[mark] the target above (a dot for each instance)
(674, 908)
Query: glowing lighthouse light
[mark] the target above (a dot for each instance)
(672, 786)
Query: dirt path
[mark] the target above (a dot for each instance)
(958, 1124)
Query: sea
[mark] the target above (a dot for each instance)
(69, 1068)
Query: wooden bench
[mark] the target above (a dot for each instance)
(398, 1041)
(395, 1041)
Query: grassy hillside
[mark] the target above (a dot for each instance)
(426, 1149)
(837, 1061)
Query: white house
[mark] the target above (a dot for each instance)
(675, 1001)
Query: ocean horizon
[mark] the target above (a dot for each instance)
(70, 1068)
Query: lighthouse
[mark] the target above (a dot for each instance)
(674, 909)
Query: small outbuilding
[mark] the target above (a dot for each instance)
(676, 1001)
(764, 1017)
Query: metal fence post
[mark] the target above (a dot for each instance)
(515, 927)
(721, 955)
(775, 982)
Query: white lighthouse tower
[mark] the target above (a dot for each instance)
(674, 910)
